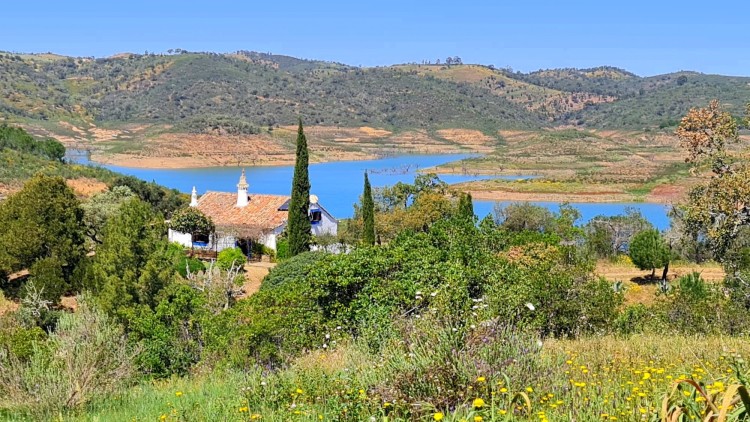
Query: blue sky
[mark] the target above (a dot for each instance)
(645, 37)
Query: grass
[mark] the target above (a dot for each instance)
(604, 378)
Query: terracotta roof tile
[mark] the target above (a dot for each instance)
(260, 215)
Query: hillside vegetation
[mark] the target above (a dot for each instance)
(250, 93)
(445, 318)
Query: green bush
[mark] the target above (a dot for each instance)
(259, 249)
(85, 358)
(48, 279)
(634, 319)
(269, 327)
(293, 270)
(282, 249)
(230, 257)
(17, 339)
(695, 307)
(433, 361)
(186, 264)
(170, 335)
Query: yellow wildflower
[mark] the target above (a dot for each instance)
(178, 393)
(478, 403)
(438, 416)
(477, 418)
(481, 379)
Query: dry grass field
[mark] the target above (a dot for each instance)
(639, 288)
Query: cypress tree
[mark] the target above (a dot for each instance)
(368, 214)
(299, 228)
(465, 206)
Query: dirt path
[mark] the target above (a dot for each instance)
(254, 274)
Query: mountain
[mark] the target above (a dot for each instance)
(250, 93)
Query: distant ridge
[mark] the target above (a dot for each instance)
(246, 92)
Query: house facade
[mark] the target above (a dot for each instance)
(244, 218)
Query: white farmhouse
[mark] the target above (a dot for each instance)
(242, 219)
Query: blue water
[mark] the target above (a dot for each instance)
(339, 184)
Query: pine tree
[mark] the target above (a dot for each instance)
(368, 214)
(299, 228)
(465, 206)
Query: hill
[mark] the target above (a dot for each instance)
(141, 103)
(638, 102)
(243, 92)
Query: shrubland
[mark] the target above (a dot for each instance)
(446, 317)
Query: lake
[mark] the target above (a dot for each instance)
(339, 184)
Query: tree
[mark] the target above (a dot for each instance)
(704, 133)
(524, 216)
(466, 206)
(716, 210)
(132, 264)
(648, 250)
(192, 220)
(298, 227)
(368, 214)
(101, 207)
(163, 200)
(607, 236)
(42, 222)
(18, 139)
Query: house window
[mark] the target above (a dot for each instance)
(315, 216)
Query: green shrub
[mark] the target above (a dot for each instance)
(293, 270)
(191, 220)
(17, 339)
(269, 327)
(695, 307)
(169, 336)
(231, 257)
(693, 286)
(634, 319)
(86, 357)
(433, 361)
(282, 249)
(48, 278)
(186, 264)
(560, 302)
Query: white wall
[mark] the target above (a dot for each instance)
(269, 240)
(327, 225)
(184, 239)
(223, 242)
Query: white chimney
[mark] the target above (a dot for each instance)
(194, 198)
(242, 190)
